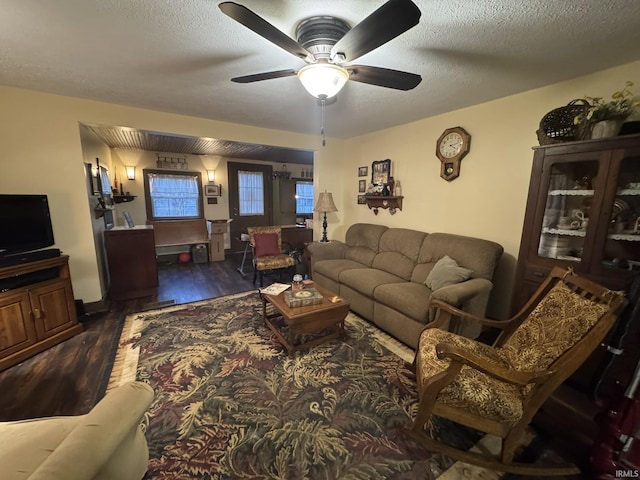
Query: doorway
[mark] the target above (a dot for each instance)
(250, 199)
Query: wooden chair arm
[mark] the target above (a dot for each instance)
(454, 311)
(484, 365)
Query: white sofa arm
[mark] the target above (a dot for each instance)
(106, 443)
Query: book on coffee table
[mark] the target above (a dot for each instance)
(302, 298)
(275, 288)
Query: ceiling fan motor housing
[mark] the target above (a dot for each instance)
(319, 34)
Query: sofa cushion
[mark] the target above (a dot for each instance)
(446, 272)
(477, 254)
(333, 268)
(366, 280)
(410, 298)
(363, 240)
(398, 251)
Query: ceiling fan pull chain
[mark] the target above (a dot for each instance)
(322, 105)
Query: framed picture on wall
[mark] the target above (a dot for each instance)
(363, 171)
(361, 200)
(380, 172)
(212, 190)
(92, 180)
(362, 186)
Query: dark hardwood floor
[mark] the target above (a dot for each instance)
(71, 377)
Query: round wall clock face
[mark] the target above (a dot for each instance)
(451, 145)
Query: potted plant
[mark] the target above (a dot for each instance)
(605, 118)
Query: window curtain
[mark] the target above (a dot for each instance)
(251, 193)
(174, 195)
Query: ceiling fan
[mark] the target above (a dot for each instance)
(327, 43)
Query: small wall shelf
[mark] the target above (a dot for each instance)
(375, 202)
(100, 211)
(123, 198)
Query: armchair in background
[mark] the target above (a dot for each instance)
(266, 243)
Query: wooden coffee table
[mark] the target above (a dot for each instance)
(326, 319)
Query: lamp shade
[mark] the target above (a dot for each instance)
(131, 172)
(323, 80)
(325, 203)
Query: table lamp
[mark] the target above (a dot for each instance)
(325, 204)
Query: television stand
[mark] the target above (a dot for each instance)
(37, 308)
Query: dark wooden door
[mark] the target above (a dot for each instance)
(242, 219)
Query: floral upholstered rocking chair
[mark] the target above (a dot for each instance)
(498, 389)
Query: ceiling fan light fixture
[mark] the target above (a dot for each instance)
(323, 80)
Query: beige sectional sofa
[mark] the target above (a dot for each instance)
(382, 272)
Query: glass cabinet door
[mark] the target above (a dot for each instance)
(622, 245)
(570, 195)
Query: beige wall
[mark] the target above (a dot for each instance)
(198, 163)
(43, 153)
(488, 199)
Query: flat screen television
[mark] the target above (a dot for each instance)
(25, 224)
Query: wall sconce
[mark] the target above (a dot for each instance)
(211, 176)
(131, 172)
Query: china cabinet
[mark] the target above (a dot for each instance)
(583, 211)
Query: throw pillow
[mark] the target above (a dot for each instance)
(446, 272)
(266, 244)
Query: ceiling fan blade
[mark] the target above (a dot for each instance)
(383, 77)
(386, 23)
(246, 17)
(257, 77)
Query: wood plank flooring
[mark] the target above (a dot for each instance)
(71, 377)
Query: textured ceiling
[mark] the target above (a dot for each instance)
(178, 55)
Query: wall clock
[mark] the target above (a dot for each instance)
(451, 148)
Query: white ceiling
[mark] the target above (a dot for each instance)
(178, 55)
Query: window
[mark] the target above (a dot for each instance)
(304, 198)
(251, 193)
(173, 195)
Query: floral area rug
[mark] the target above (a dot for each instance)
(231, 404)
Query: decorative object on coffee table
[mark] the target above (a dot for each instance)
(303, 298)
(325, 205)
